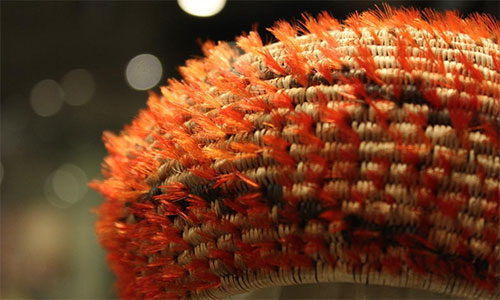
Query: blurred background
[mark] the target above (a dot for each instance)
(70, 70)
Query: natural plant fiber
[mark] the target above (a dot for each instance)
(364, 152)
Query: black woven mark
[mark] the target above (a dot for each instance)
(481, 266)
(352, 222)
(273, 194)
(206, 192)
(210, 194)
(308, 210)
(154, 191)
(374, 91)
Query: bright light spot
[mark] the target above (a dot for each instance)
(39, 239)
(66, 186)
(202, 8)
(46, 98)
(78, 86)
(143, 72)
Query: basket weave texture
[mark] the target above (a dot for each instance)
(366, 151)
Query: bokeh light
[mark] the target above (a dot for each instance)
(66, 186)
(143, 72)
(78, 86)
(41, 260)
(46, 98)
(202, 8)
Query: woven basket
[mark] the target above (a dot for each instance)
(362, 152)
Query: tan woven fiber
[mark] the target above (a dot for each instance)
(366, 152)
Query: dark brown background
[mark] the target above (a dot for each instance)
(51, 252)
